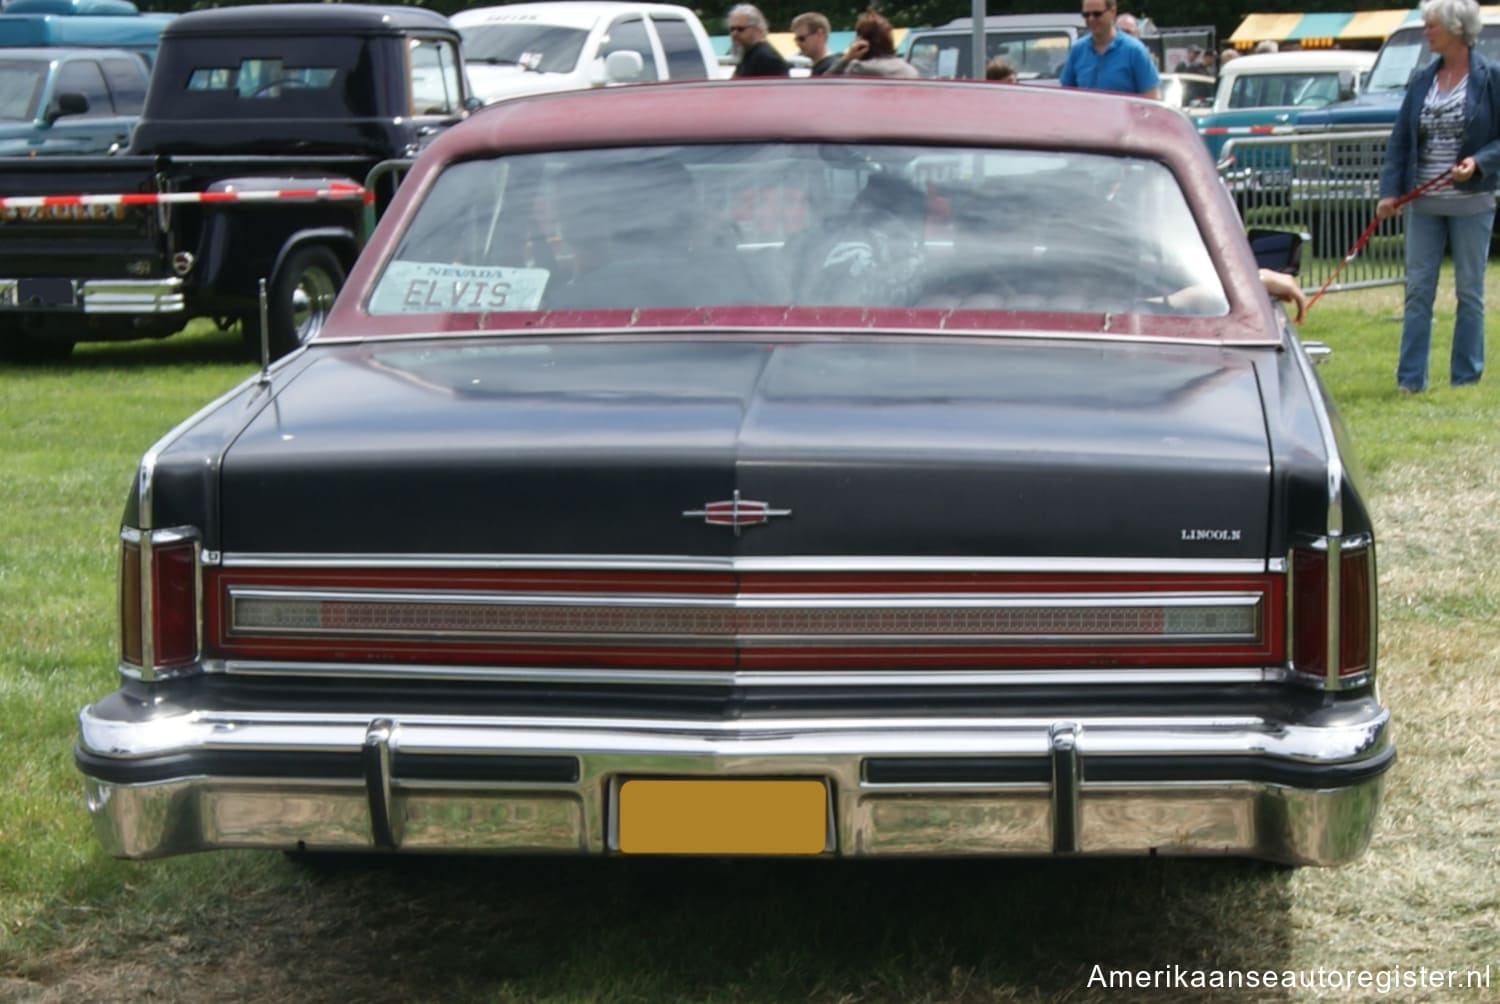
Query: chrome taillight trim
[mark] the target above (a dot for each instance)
(1335, 549)
(776, 619)
(147, 541)
(1333, 538)
(750, 679)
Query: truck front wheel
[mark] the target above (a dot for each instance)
(300, 297)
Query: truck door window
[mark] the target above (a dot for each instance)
(435, 86)
(82, 76)
(684, 60)
(126, 85)
(629, 33)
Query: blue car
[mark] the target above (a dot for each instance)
(1401, 56)
(1263, 94)
(62, 102)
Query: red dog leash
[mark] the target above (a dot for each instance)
(1428, 186)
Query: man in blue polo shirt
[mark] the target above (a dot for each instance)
(1109, 60)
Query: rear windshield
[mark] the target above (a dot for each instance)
(1286, 90)
(801, 226)
(545, 48)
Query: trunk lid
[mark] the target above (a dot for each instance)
(931, 447)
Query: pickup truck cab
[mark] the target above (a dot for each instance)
(1263, 93)
(1400, 57)
(530, 48)
(57, 101)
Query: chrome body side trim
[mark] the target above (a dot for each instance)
(868, 564)
(167, 781)
(699, 331)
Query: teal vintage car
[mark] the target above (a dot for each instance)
(1263, 94)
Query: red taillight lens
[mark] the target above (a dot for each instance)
(1311, 615)
(174, 607)
(160, 628)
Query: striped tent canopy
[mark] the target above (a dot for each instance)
(1365, 28)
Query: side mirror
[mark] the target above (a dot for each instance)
(1278, 250)
(623, 66)
(1348, 85)
(67, 103)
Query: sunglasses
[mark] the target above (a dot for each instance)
(1091, 14)
(738, 27)
(802, 38)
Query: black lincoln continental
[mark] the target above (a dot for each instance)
(766, 468)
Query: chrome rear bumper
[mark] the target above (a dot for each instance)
(1298, 793)
(95, 296)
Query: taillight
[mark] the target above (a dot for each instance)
(159, 603)
(1345, 602)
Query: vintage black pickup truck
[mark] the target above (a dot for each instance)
(259, 132)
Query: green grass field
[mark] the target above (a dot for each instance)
(260, 927)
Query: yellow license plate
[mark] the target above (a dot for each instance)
(723, 817)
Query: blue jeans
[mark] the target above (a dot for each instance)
(1468, 238)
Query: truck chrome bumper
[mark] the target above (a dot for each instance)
(94, 296)
(189, 781)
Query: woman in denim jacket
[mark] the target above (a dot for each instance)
(1450, 118)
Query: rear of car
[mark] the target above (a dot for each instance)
(668, 482)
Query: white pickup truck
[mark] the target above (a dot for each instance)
(527, 48)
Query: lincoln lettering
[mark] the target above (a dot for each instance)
(1210, 534)
(459, 294)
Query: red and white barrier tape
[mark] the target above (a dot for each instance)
(335, 192)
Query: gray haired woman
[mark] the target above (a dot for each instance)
(1449, 121)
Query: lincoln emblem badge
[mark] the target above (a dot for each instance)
(736, 512)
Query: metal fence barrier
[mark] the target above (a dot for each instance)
(1324, 185)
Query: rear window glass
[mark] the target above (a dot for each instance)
(1285, 90)
(801, 226)
(544, 48)
(307, 77)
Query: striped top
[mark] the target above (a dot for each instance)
(1440, 131)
